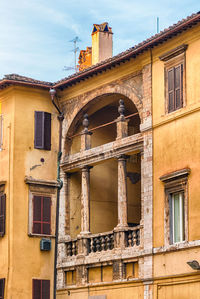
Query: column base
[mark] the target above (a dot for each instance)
(121, 227)
(85, 233)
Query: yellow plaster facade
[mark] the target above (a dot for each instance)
(139, 261)
(21, 259)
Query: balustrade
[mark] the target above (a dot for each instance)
(72, 248)
(132, 237)
(104, 241)
(101, 242)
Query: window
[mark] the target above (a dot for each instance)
(2, 285)
(176, 210)
(41, 215)
(174, 63)
(176, 204)
(42, 206)
(175, 87)
(42, 130)
(2, 214)
(1, 131)
(41, 289)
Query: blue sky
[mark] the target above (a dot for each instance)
(35, 34)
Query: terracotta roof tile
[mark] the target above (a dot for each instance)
(16, 77)
(157, 38)
(131, 52)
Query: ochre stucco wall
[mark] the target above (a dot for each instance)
(175, 136)
(26, 261)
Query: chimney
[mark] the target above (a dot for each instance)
(102, 44)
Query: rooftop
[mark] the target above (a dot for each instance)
(132, 52)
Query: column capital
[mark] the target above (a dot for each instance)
(122, 157)
(86, 168)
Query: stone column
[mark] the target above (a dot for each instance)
(122, 192)
(85, 201)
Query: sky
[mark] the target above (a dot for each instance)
(35, 35)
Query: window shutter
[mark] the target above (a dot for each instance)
(41, 289)
(2, 214)
(47, 131)
(178, 86)
(46, 215)
(39, 130)
(36, 289)
(37, 214)
(45, 289)
(171, 90)
(42, 130)
(2, 285)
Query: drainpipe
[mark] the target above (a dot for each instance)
(52, 92)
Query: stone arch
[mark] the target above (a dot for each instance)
(84, 101)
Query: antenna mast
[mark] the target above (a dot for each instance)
(75, 50)
(158, 25)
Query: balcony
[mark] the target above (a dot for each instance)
(107, 243)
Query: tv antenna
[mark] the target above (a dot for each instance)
(75, 50)
(157, 23)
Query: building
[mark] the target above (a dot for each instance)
(129, 210)
(28, 182)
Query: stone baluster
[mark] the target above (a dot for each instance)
(86, 135)
(135, 238)
(122, 123)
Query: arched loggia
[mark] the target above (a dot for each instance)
(103, 205)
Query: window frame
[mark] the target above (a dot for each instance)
(173, 59)
(174, 183)
(45, 189)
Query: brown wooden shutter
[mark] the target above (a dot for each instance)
(37, 289)
(45, 289)
(47, 131)
(46, 215)
(170, 90)
(37, 217)
(178, 86)
(2, 214)
(41, 289)
(39, 130)
(42, 130)
(2, 286)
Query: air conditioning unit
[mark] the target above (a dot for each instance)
(45, 244)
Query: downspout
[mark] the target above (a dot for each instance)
(60, 118)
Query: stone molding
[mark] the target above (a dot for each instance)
(147, 125)
(174, 52)
(103, 152)
(31, 181)
(175, 175)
